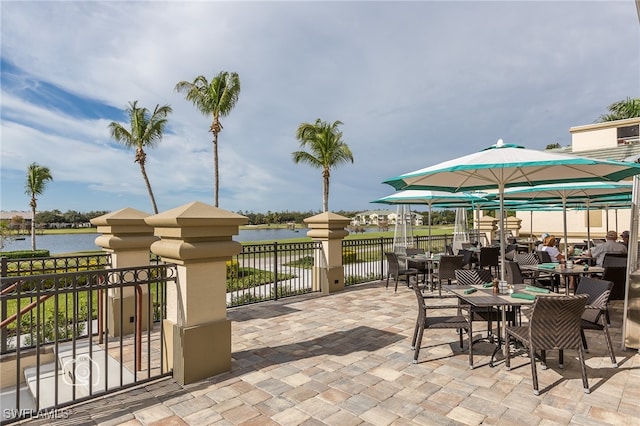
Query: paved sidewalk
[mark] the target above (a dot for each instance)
(345, 359)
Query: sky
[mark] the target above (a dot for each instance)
(414, 83)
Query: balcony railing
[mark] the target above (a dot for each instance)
(60, 345)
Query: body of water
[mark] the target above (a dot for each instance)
(67, 243)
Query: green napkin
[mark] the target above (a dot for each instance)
(487, 285)
(547, 265)
(523, 296)
(534, 289)
(470, 290)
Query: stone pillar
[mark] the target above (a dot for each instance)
(197, 335)
(328, 270)
(127, 237)
(487, 225)
(513, 225)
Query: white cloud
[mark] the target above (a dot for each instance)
(414, 82)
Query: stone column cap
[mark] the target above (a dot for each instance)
(327, 220)
(123, 221)
(196, 214)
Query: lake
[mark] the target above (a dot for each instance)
(67, 243)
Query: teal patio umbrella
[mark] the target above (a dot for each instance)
(575, 192)
(503, 166)
(432, 199)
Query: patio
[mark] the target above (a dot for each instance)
(345, 359)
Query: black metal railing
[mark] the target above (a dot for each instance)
(65, 352)
(263, 272)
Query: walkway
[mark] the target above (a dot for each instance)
(345, 360)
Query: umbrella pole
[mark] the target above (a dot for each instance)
(502, 259)
(564, 214)
(589, 223)
(429, 240)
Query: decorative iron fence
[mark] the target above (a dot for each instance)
(263, 272)
(65, 351)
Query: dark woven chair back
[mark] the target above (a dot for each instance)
(514, 274)
(543, 256)
(555, 322)
(526, 259)
(614, 259)
(489, 256)
(414, 251)
(473, 276)
(598, 291)
(595, 316)
(467, 256)
(447, 267)
(394, 264)
(510, 251)
(618, 276)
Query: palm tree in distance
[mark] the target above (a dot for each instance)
(37, 178)
(326, 151)
(216, 98)
(146, 131)
(628, 108)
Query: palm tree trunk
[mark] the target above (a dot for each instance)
(215, 167)
(146, 181)
(325, 193)
(33, 224)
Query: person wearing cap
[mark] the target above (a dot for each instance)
(609, 246)
(625, 239)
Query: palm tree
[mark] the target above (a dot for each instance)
(37, 178)
(146, 131)
(216, 98)
(326, 151)
(628, 108)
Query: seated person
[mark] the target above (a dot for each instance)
(625, 239)
(609, 246)
(542, 238)
(550, 247)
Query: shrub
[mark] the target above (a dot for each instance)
(349, 256)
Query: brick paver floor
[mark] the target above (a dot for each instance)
(345, 359)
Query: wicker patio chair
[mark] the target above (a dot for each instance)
(446, 270)
(396, 271)
(554, 323)
(489, 257)
(596, 315)
(543, 256)
(472, 277)
(467, 258)
(425, 320)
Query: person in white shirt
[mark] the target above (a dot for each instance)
(609, 246)
(550, 247)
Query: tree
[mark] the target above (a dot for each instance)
(628, 108)
(553, 146)
(37, 178)
(146, 131)
(326, 151)
(216, 98)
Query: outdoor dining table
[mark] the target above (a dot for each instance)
(483, 297)
(563, 272)
(422, 261)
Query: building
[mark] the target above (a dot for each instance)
(613, 140)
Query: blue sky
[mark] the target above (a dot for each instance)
(415, 83)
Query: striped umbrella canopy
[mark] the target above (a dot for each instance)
(504, 166)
